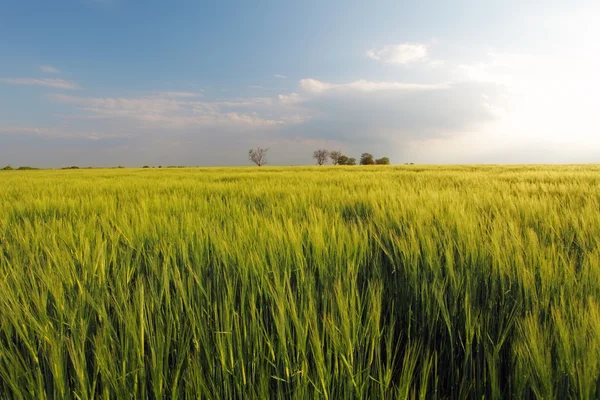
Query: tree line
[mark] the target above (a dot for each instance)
(337, 158)
(259, 157)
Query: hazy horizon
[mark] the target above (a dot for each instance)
(118, 82)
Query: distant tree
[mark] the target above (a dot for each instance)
(345, 160)
(321, 156)
(258, 156)
(367, 159)
(26, 168)
(382, 161)
(71, 167)
(7, 168)
(335, 157)
(145, 166)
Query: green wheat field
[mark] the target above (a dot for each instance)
(410, 282)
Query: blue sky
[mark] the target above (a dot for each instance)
(106, 82)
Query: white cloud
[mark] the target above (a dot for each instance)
(53, 83)
(179, 95)
(243, 102)
(150, 104)
(175, 111)
(58, 133)
(505, 69)
(290, 99)
(316, 86)
(436, 63)
(280, 76)
(384, 117)
(248, 119)
(49, 69)
(295, 119)
(478, 72)
(399, 54)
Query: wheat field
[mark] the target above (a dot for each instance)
(407, 282)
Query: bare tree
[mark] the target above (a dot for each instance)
(258, 156)
(335, 156)
(321, 156)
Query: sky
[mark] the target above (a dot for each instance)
(182, 82)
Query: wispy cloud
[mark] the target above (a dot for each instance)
(57, 133)
(399, 54)
(316, 86)
(179, 95)
(175, 111)
(53, 83)
(49, 69)
(290, 99)
(243, 102)
(279, 76)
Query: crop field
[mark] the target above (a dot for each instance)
(410, 282)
